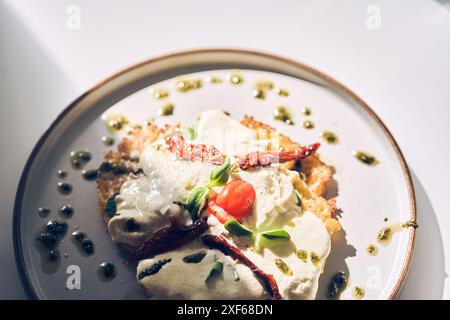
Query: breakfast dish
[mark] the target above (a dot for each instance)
(273, 181)
(233, 204)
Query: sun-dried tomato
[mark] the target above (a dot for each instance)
(170, 238)
(264, 159)
(219, 243)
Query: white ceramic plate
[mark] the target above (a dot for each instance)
(366, 194)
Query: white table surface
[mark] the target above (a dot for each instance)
(402, 70)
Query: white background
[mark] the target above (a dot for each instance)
(401, 70)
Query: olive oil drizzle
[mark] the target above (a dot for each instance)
(384, 236)
(365, 158)
(284, 268)
(329, 136)
(44, 211)
(358, 292)
(64, 187)
(186, 85)
(315, 259)
(84, 243)
(115, 122)
(89, 175)
(107, 270)
(282, 113)
(61, 174)
(66, 210)
(159, 93)
(235, 78)
(306, 111)
(302, 255)
(213, 79)
(372, 250)
(166, 110)
(308, 124)
(282, 92)
(410, 223)
(264, 85)
(108, 141)
(261, 88)
(79, 158)
(51, 236)
(259, 93)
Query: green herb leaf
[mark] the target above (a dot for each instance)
(220, 176)
(192, 133)
(299, 199)
(110, 207)
(216, 270)
(188, 133)
(197, 201)
(236, 275)
(195, 257)
(194, 129)
(236, 228)
(276, 234)
(256, 238)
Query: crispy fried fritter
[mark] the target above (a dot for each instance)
(119, 165)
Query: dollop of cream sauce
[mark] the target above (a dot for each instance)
(228, 135)
(181, 280)
(307, 233)
(151, 199)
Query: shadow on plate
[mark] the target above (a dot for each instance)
(427, 275)
(33, 90)
(335, 262)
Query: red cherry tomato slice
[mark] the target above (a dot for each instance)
(236, 199)
(218, 212)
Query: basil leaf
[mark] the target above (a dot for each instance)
(236, 275)
(216, 270)
(188, 133)
(192, 133)
(197, 201)
(236, 228)
(299, 199)
(110, 207)
(220, 176)
(276, 234)
(194, 129)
